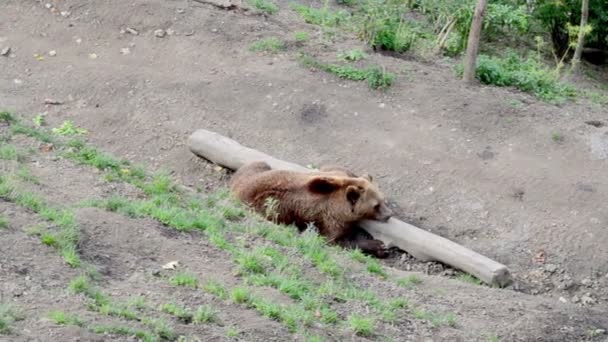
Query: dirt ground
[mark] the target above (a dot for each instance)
(478, 165)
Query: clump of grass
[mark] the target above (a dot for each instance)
(435, 319)
(264, 6)
(373, 266)
(268, 45)
(62, 318)
(144, 335)
(409, 281)
(178, 311)
(301, 36)
(215, 288)
(377, 77)
(467, 278)
(240, 295)
(360, 325)
(8, 316)
(322, 16)
(39, 120)
(526, 74)
(352, 55)
(184, 279)
(10, 152)
(4, 223)
(232, 332)
(68, 128)
(205, 314)
(24, 174)
(7, 117)
(557, 137)
(160, 327)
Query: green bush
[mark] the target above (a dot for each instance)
(526, 74)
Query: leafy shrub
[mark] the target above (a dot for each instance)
(322, 16)
(529, 75)
(264, 6)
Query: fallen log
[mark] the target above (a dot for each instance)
(421, 244)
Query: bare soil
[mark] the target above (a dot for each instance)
(478, 165)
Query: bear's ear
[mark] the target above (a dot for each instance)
(353, 193)
(368, 177)
(324, 185)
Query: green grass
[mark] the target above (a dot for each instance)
(557, 137)
(376, 77)
(232, 332)
(178, 311)
(526, 74)
(240, 295)
(374, 267)
(4, 223)
(322, 16)
(467, 278)
(39, 120)
(362, 326)
(62, 318)
(268, 45)
(25, 175)
(184, 279)
(352, 55)
(301, 36)
(68, 128)
(435, 319)
(205, 314)
(264, 6)
(10, 152)
(144, 335)
(215, 288)
(409, 281)
(8, 316)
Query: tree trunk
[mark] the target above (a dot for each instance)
(473, 43)
(576, 60)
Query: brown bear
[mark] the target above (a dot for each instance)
(333, 199)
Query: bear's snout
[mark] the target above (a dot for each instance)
(385, 214)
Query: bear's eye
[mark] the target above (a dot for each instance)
(377, 207)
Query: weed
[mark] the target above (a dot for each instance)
(267, 308)
(215, 288)
(467, 278)
(24, 174)
(409, 281)
(352, 55)
(232, 332)
(268, 45)
(205, 314)
(435, 319)
(495, 338)
(8, 316)
(240, 295)
(328, 316)
(177, 311)
(41, 135)
(4, 223)
(160, 328)
(322, 16)
(7, 117)
(10, 152)
(557, 137)
(39, 120)
(62, 318)
(67, 128)
(373, 266)
(125, 331)
(264, 6)
(378, 78)
(184, 279)
(361, 325)
(301, 36)
(137, 302)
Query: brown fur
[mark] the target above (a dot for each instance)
(333, 199)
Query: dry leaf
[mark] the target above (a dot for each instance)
(171, 265)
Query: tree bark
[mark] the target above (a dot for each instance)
(473, 42)
(576, 60)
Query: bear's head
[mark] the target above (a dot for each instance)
(355, 198)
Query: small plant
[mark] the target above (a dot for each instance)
(10, 152)
(322, 16)
(435, 319)
(160, 328)
(268, 45)
(362, 326)
(39, 120)
(232, 332)
(373, 266)
(7, 117)
(557, 137)
(301, 36)
(352, 55)
(467, 278)
(184, 279)
(3, 222)
(62, 318)
(215, 288)
(145, 336)
(264, 6)
(177, 311)
(204, 314)
(378, 78)
(68, 128)
(409, 281)
(8, 316)
(240, 295)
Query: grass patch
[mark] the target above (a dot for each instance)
(178, 311)
(409, 281)
(4, 223)
(184, 279)
(264, 6)
(205, 314)
(144, 335)
(557, 137)
(360, 325)
(68, 128)
(467, 278)
(526, 74)
(232, 332)
(374, 267)
(10, 152)
(435, 319)
(377, 77)
(240, 295)
(268, 45)
(322, 16)
(8, 316)
(215, 288)
(352, 55)
(301, 36)
(62, 318)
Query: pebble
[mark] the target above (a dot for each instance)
(575, 299)
(125, 51)
(382, 105)
(160, 33)
(587, 299)
(132, 31)
(551, 268)
(586, 282)
(18, 81)
(52, 53)
(563, 300)
(5, 51)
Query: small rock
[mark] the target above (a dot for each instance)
(65, 13)
(52, 102)
(586, 282)
(52, 53)
(575, 299)
(156, 273)
(78, 40)
(170, 32)
(598, 332)
(132, 31)
(125, 51)
(587, 299)
(382, 105)
(48, 5)
(214, 30)
(5, 51)
(17, 81)
(563, 300)
(551, 268)
(160, 33)
(93, 56)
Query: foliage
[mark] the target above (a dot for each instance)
(268, 45)
(264, 6)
